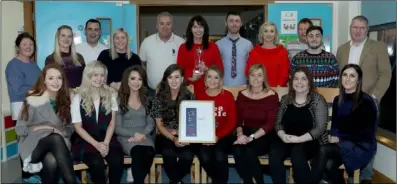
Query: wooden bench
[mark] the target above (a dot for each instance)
(328, 93)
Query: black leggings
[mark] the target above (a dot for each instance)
(300, 154)
(248, 165)
(176, 168)
(96, 165)
(328, 160)
(56, 159)
(214, 159)
(142, 159)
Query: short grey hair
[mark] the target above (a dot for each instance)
(165, 14)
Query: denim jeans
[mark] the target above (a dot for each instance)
(367, 171)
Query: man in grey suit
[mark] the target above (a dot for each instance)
(373, 58)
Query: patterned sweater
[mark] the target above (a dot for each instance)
(324, 67)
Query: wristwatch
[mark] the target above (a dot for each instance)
(252, 136)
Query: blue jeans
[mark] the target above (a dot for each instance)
(367, 171)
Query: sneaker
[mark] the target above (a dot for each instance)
(130, 179)
(32, 179)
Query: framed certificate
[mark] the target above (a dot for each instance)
(196, 122)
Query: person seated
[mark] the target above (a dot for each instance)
(301, 127)
(256, 114)
(353, 129)
(178, 157)
(44, 128)
(214, 157)
(134, 125)
(94, 110)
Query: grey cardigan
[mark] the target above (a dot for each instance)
(319, 110)
(134, 121)
(40, 112)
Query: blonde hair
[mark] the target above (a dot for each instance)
(254, 68)
(218, 71)
(113, 52)
(57, 51)
(262, 30)
(85, 90)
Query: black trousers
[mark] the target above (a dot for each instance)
(56, 159)
(214, 159)
(327, 162)
(248, 165)
(177, 160)
(142, 160)
(96, 165)
(300, 154)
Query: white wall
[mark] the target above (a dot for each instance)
(385, 161)
(11, 21)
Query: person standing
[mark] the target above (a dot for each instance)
(373, 59)
(91, 49)
(300, 45)
(118, 58)
(65, 55)
(159, 50)
(323, 64)
(234, 50)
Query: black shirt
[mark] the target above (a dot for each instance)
(117, 66)
(297, 120)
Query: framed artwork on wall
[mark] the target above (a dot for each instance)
(316, 21)
(106, 27)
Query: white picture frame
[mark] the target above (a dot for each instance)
(196, 122)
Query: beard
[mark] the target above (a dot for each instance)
(314, 46)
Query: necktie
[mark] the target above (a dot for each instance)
(234, 60)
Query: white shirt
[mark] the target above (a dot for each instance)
(90, 53)
(75, 108)
(355, 52)
(158, 55)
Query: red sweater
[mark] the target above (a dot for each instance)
(225, 111)
(186, 59)
(257, 113)
(275, 61)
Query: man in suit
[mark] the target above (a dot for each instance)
(373, 58)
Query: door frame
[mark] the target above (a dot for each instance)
(140, 3)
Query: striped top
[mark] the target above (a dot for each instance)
(324, 67)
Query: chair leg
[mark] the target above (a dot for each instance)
(153, 173)
(196, 170)
(356, 176)
(203, 176)
(291, 176)
(84, 176)
(159, 176)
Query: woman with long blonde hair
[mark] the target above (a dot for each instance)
(93, 115)
(118, 57)
(66, 56)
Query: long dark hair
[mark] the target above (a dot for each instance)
(189, 34)
(357, 95)
(165, 97)
(309, 76)
(62, 101)
(124, 91)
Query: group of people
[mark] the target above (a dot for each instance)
(101, 104)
